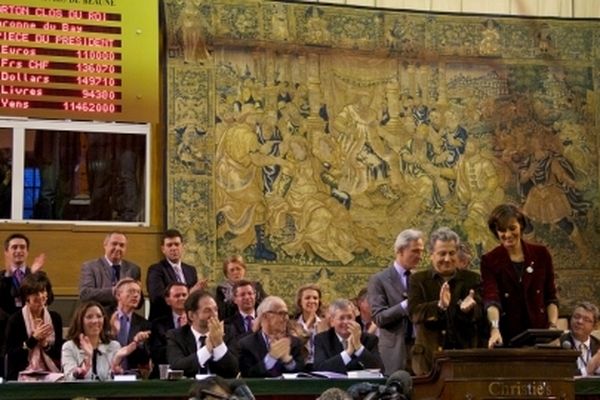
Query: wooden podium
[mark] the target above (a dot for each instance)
(500, 374)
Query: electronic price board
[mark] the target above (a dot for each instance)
(79, 59)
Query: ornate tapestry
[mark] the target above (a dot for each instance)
(305, 137)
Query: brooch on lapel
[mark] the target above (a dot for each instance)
(529, 269)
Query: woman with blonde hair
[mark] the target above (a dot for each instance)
(234, 270)
(309, 320)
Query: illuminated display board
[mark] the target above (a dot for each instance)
(79, 59)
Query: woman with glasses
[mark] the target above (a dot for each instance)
(34, 333)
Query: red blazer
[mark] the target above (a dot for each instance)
(523, 304)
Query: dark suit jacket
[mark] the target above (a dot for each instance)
(158, 339)
(141, 355)
(253, 350)
(594, 347)
(160, 275)
(436, 328)
(95, 281)
(328, 349)
(16, 335)
(227, 308)
(522, 305)
(386, 291)
(8, 292)
(181, 354)
(236, 326)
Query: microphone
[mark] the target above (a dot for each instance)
(358, 391)
(402, 382)
(240, 391)
(566, 344)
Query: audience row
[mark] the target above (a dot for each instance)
(398, 323)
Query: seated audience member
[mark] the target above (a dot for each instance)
(309, 320)
(175, 296)
(270, 351)
(99, 277)
(16, 251)
(89, 353)
(244, 297)
(365, 317)
(128, 327)
(201, 347)
(583, 321)
(34, 333)
(169, 270)
(234, 269)
(344, 347)
(443, 303)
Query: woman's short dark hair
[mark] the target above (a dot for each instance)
(34, 283)
(503, 213)
(76, 327)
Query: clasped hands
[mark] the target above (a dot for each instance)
(215, 334)
(281, 348)
(354, 339)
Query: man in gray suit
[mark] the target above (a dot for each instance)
(388, 296)
(99, 276)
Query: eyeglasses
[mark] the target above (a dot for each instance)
(585, 319)
(282, 313)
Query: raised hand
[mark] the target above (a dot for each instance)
(445, 296)
(468, 302)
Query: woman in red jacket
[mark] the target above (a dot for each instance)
(518, 280)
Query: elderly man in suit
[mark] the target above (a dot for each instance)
(583, 321)
(201, 346)
(344, 347)
(98, 277)
(16, 252)
(170, 269)
(388, 296)
(444, 303)
(127, 326)
(270, 351)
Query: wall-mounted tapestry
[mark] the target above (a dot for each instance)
(305, 137)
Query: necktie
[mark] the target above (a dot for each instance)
(181, 320)
(123, 330)
(202, 369)
(248, 322)
(178, 273)
(584, 354)
(409, 326)
(116, 274)
(19, 275)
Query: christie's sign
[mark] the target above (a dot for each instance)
(521, 389)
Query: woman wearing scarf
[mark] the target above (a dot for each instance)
(34, 333)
